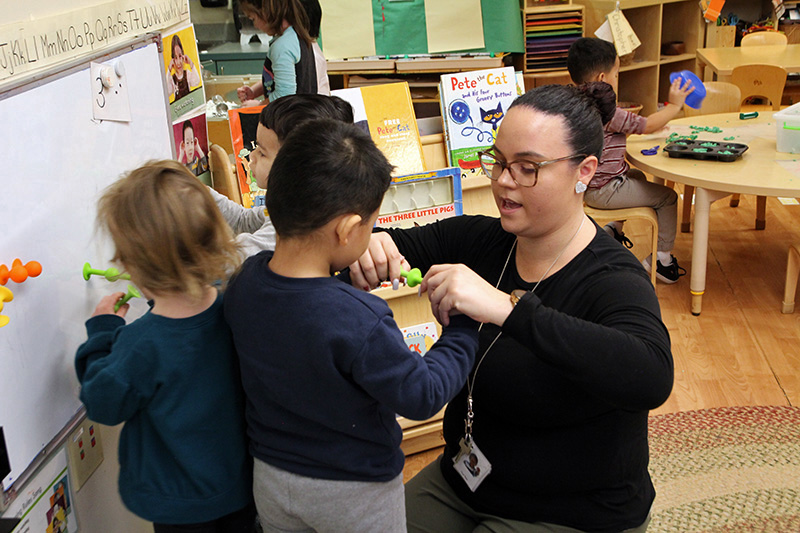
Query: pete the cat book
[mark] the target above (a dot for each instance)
(473, 105)
(385, 111)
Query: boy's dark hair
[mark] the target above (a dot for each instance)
(584, 109)
(589, 56)
(286, 113)
(325, 168)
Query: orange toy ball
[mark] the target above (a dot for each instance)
(34, 268)
(18, 273)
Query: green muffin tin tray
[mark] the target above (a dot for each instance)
(706, 150)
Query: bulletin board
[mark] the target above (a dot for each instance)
(57, 159)
(399, 26)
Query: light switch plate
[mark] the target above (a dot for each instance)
(85, 452)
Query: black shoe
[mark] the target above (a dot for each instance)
(620, 236)
(666, 274)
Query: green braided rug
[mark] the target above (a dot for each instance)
(722, 470)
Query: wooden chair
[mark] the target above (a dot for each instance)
(766, 81)
(764, 37)
(721, 97)
(648, 214)
(792, 272)
(223, 178)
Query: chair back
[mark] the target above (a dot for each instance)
(721, 97)
(222, 177)
(764, 37)
(766, 81)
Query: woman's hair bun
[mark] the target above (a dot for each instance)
(603, 96)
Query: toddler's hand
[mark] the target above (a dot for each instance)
(678, 92)
(245, 93)
(106, 305)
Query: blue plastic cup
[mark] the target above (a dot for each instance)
(695, 99)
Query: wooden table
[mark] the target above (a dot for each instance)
(756, 172)
(722, 61)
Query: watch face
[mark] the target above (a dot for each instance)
(516, 295)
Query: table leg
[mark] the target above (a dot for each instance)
(702, 207)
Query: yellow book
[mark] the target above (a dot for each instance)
(386, 112)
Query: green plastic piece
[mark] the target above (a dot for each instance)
(726, 152)
(111, 274)
(413, 277)
(701, 150)
(708, 145)
(132, 293)
(745, 116)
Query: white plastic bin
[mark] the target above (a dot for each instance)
(787, 122)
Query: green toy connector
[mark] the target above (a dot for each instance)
(132, 293)
(745, 116)
(111, 274)
(413, 277)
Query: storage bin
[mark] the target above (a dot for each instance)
(787, 122)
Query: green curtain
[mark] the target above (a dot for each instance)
(502, 27)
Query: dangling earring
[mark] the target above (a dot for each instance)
(580, 187)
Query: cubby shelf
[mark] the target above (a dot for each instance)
(655, 22)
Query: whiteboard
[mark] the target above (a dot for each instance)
(55, 161)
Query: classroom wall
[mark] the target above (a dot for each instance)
(16, 11)
(97, 504)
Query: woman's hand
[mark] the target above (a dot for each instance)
(455, 289)
(381, 261)
(106, 305)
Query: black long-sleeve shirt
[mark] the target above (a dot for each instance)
(561, 400)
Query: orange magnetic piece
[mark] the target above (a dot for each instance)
(18, 272)
(34, 268)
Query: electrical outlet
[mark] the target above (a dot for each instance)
(85, 452)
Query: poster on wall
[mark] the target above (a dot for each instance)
(45, 504)
(182, 72)
(191, 144)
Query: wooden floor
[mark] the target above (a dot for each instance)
(741, 350)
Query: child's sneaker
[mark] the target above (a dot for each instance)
(666, 274)
(618, 235)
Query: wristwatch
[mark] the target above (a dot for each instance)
(516, 294)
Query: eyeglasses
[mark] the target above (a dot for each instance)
(524, 173)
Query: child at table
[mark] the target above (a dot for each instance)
(289, 67)
(615, 184)
(172, 375)
(253, 228)
(323, 391)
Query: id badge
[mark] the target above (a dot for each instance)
(471, 464)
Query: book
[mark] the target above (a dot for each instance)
(419, 338)
(422, 197)
(386, 112)
(473, 105)
(244, 124)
